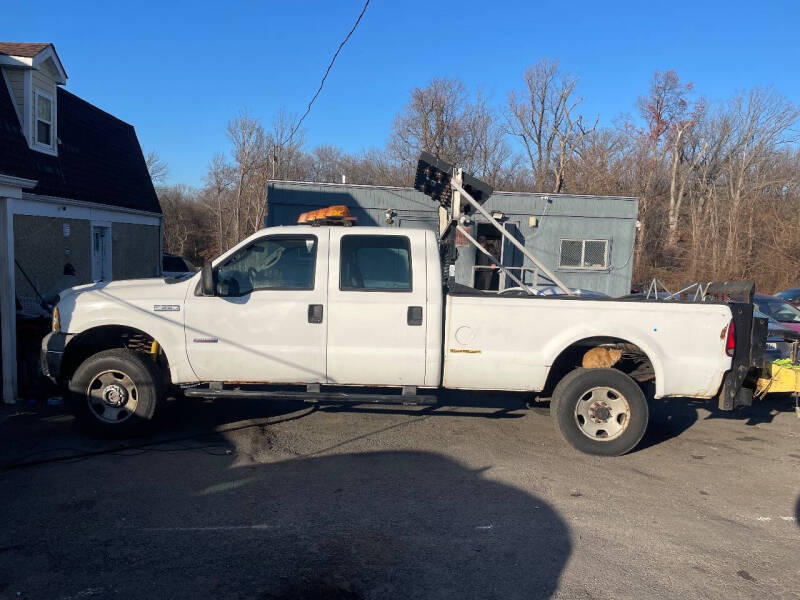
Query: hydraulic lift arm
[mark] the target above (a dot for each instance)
(466, 196)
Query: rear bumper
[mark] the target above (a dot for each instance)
(52, 353)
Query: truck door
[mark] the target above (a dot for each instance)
(377, 315)
(267, 322)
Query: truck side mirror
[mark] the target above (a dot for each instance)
(208, 279)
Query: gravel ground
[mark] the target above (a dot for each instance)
(478, 498)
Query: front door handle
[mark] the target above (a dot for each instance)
(315, 313)
(414, 315)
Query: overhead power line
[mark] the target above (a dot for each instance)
(327, 71)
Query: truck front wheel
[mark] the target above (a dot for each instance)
(117, 393)
(600, 411)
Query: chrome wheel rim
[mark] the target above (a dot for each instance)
(602, 414)
(112, 396)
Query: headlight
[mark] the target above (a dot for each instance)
(56, 321)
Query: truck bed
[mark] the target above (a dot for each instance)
(509, 343)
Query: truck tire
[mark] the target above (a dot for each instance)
(600, 411)
(117, 393)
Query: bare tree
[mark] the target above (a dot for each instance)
(542, 116)
(484, 150)
(185, 224)
(662, 109)
(377, 167)
(157, 168)
(703, 193)
(285, 148)
(761, 122)
(327, 164)
(216, 197)
(603, 165)
(249, 151)
(441, 118)
(175, 223)
(431, 121)
(687, 151)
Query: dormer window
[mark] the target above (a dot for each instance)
(44, 120)
(32, 73)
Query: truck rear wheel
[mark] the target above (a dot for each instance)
(117, 393)
(600, 411)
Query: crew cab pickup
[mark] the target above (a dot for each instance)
(331, 308)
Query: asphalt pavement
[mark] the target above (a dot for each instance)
(477, 498)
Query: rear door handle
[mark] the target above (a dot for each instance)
(315, 313)
(414, 315)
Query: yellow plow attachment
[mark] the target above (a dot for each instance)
(783, 378)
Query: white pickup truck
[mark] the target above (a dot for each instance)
(336, 308)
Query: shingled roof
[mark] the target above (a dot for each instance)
(99, 158)
(27, 50)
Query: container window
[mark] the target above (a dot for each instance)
(583, 254)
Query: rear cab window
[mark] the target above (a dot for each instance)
(375, 263)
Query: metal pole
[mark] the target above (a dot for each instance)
(8, 320)
(509, 237)
(455, 205)
(475, 243)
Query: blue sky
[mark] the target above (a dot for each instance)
(178, 71)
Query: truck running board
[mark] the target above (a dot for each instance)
(317, 397)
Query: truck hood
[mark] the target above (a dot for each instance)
(84, 305)
(167, 288)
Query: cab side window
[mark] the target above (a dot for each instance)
(272, 263)
(375, 263)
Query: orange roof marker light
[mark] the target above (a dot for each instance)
(332, 215)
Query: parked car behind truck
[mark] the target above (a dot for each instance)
(173, 265)
(334, 308)
(792, 295)
(779, 339)
(779, 310)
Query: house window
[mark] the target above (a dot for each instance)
(583, 254)
(44, 120)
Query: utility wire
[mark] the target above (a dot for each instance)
(327, 71)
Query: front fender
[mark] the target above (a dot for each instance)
(98, 308)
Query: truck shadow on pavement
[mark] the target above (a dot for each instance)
(389, 524)
(797, 512)
(37, 434)
(670, 417)
(50, 434)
